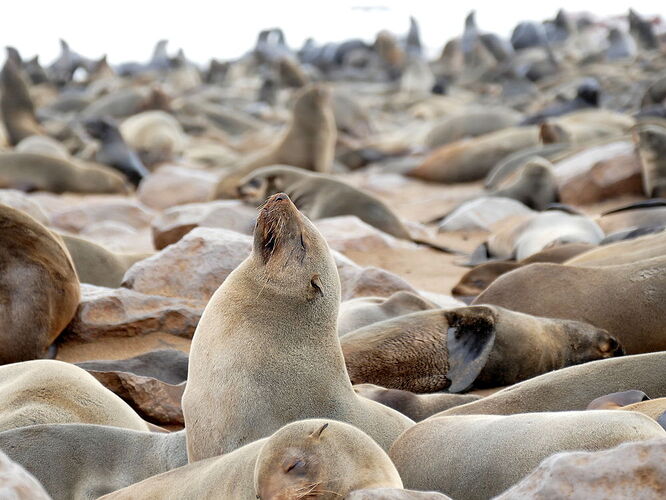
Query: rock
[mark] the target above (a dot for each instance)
(394, 494)
(348, 232)
(119, 237)
(169, 186)
(124, 211)
(119, 312)
(16, 483)
(632, 471)
(357, 281)
(482, 213)
(167, 365)
(193, 268)
(176, 222)
(616, 176)
(20, 201)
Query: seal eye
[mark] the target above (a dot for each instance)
(298, 464)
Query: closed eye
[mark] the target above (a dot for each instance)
(294, 465)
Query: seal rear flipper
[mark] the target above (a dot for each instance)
(617, 399)
(469, 341)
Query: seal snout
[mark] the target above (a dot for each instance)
(278, 197)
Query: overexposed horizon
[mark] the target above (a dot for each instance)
(128, 30)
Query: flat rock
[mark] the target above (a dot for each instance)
(176, 222)
(120, 312)
(348, 232)
(170, 185)
(16, 483)
(358, 281)
(124, 211)
(632, 471)
(119, 237)
(193, 268)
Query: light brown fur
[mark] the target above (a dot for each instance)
(18, 111)
(536, 186)
(39, 288)
(623, 252)
(267, 345)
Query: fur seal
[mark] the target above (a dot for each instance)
(363, 311)
(114, 151)
(96, 265)
(29, 171)
(84, 461)
(475, 457)
(574, 387)
(54, 392)
(319, 458)
(16, 107)
(587, 96)
(634, 216)
(416, 406)
(617, 400)
(290, 272)
(39, 289)
(536, 186)
(476, 280)
(643, 31)
(483, 213)
(620, 45)
(471, 123)
(16, 483)
(609, 297)
(451, 350)
(155, 135)
(43, 145)
(651, 141)
(308, 143)
(622, 252)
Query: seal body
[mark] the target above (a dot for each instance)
(275, 315)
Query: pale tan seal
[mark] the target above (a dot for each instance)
(622, 252)
(39, 288)
(30, 171)
(475, 457)
(486, 346)
(284, 297)
(574, 387)
(363, 311)
(536, 186)
(319, 458)
(43, 145)
(416, 406)
(16, 106)
(54, 392)
(16, 483)
(84, 461)
(155, 135)
(609, 297)
(308, 143)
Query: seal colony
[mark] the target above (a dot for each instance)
(347, 270)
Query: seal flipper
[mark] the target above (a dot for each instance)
(651, 203)
(469, 341)
(617, 400)
(661, 420)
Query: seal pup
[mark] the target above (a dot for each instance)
(475, 457)
(609, 297)
(289, 276)
(536, 186)
(318, 458)
(620, 45)
(650, 139)
(30, 172)
(574, 387)
(53, 392)
(16, 483)
(319, 196)
(114, 151)
(85, 461)
(308, 143)
(363, 311)
(451, 350)
(416, 406)
(39, 288)
(18, 111)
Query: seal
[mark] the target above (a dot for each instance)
(43, 145)
(96, 265)
(155, 135)
(651, 141)
(114, 151)
(362, 311)
(18, 483)
(587, 96)
(39, 289)
(478, 456)
(640, 215)
(29, 171)
(477, 279)
(481, 346)
(622, 252)
(16, 107)
(308, 143)
(319, 458)
(574, 387)
(319, 196)
(536, 186)
(285, 298)
(609, 297)
(53, 392)
(416, 406)
(617, 400)
(85, 461)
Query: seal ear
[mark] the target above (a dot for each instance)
(469, 340)
(317, 285)
(316, 434)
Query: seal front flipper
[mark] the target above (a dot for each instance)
(470, 338)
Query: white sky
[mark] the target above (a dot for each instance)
(127, 30)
